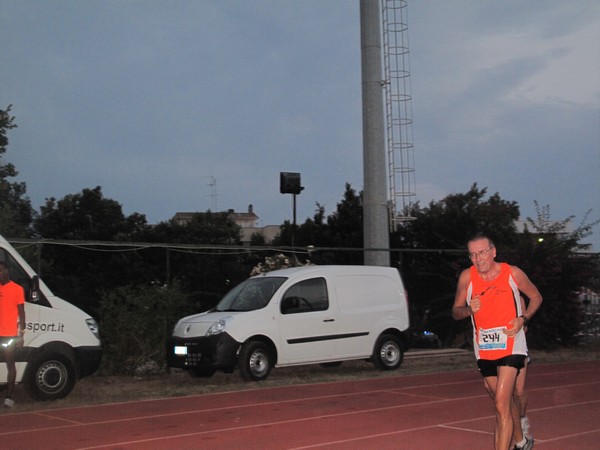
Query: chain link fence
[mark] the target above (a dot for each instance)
(590, 304)
(207, 272)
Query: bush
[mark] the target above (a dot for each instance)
(135, 323)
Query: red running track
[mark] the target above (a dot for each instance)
(437, 411)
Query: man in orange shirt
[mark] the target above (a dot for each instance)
(12, 308)
(489, 293)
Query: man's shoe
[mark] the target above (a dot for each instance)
(525, 426)
(9, 403)
(528, 445)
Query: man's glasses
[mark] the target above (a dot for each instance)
(481, 254)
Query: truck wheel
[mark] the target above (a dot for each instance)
(254, 361)
(50, 376)
(388, 353)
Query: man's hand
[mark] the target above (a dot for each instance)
(20, 338)
(475, 304)
(514, 326)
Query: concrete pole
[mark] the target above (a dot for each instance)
(376, 230)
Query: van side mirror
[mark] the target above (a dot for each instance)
(35, 289)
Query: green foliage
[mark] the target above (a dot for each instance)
(16, 212)
(547, 251)
(206, 275)
(135, 323)
(433, 254)
(80, 275)
(342, 229)
(431, 277)
(86, 215)
(447, 224)
(548, 254)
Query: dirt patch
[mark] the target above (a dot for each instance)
(114, 389)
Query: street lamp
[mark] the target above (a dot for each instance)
(289, 183)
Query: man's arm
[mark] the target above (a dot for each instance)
(529, 289)
(460, 309)
(22, 322)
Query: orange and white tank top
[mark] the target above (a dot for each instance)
(500, 303)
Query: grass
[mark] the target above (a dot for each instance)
(98, 389)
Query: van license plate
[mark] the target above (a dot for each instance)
(181, 350)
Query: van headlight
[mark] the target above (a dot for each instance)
(219, 326)
(93, 326)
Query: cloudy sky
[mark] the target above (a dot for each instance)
(190, 105)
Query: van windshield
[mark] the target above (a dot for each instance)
(252, 294)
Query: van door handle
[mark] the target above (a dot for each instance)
(328, 320)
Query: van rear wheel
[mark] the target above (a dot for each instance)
(255, 361)
(388, 352)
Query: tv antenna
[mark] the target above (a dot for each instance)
(213, 193)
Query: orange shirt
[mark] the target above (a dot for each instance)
(500, 303)
(11, 295)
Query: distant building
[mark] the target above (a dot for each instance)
(248, 221)
(245, 219)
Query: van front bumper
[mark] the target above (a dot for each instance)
(217, 352)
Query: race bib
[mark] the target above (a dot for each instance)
(492, 339)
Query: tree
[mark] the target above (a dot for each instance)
(87, 215)
(549, 252)
(346, 223)
(79, 274)
(343, 229)
(205, 274)
(447, 224)
(16, 212)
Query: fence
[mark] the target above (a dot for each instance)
(590, 304)
(208, 271)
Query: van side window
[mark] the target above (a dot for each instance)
(306, 296)
(19, 276)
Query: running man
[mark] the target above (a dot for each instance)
(489, 293)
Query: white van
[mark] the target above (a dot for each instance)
(61, 342)
(303, 315)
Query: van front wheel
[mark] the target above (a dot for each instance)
(50, 376)
(388, 353)
(254, 361)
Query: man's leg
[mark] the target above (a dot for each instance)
(521, 398)
(518, 431)
(9, 355)
(490, 386)
(516, 421)
(503, 400)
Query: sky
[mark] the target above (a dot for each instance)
(190, 105)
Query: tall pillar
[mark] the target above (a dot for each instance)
(375, 210)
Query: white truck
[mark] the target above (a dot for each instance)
(61, 342)
(302, 315)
